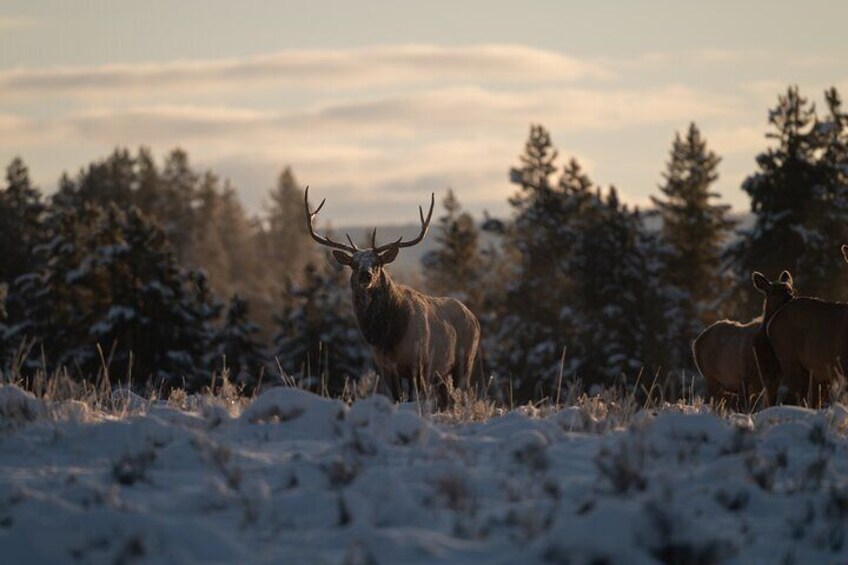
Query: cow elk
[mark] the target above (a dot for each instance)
(810, 341)
(737, 359)
(426, 341)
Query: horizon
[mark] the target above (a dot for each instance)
(376, 107)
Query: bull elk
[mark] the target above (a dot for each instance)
(424, 340)
(810, 340)
(736, 358)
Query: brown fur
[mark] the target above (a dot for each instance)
(810, 339)
(429, 342)
(423, 340)
(737, 359)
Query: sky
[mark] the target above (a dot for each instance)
(377, 104)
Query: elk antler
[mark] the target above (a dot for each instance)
(425, 224)
(310, 217)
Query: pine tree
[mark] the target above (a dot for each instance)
(454, 267)
(47, 305)
(792, 195)
(21, 215)
(207, 249)
(319, 342)
(110, 181)
(150, 196)
(287, 242)
(236, 347)
(178, 183)
(537, 312)
(826, 229)
(694, 231)
(586, 277)
(616, 292)
(112, 292)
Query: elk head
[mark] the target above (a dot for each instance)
(776, 293)
(366, 264)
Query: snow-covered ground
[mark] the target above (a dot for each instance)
(296, 478)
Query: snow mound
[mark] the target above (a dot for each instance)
(73, 411)
(18, 406)
(297, 478)
(123, 399)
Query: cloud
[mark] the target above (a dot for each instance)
(656, 60)
(349, 68)
(454, 111)
(14, 23)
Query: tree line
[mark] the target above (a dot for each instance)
(156, 273)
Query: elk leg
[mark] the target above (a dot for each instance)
(394, 386)
(442, 390)
(797, 382)
(714, 391)
(416, 387)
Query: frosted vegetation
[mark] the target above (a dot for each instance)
(290, 476)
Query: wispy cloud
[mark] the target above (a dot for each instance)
(13, 23)
(351, 68)
(376, 126)
(458, 111)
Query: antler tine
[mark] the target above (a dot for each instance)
(351, 241)
(374, 238)
(310, 217)
(425, 224)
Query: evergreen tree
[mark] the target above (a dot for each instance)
(826, 229)
(176, 210)
(140, 318)
(454, 267)
(694, 231)
(150, 194)
(47, 305)
(586, 277)
(111, 291)
(21, 214)
(288, 245)
(110, 181)
(319, 342)
(799, 205)
(538, 314)
(236, 347)
(207, 249)
(618, 293)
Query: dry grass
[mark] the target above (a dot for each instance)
(614, 406)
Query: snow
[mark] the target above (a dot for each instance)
(297, 478)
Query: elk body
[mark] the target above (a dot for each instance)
(810, 341)
(736, 358)
(425, 341)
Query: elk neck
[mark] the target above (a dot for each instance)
(770, 310)
(382, 311)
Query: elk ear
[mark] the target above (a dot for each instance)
(342, 257)
(845, 252)
(761, 283)
(786, 277)
(389, 254)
